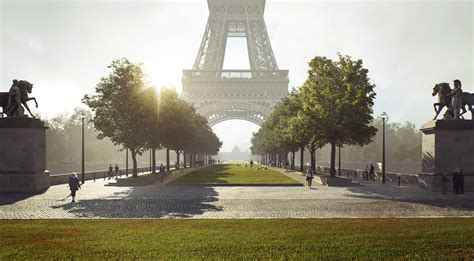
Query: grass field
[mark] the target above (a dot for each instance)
(233, 173)
(238, 239)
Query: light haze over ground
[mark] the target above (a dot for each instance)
(64, 47)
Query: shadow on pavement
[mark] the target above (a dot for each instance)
(8, 199)
(412, 194)
(146, 202)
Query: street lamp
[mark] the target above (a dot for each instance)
(126, 162)
(82, 158)
(384, 117)
(339, 161)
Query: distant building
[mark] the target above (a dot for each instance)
(236, 154)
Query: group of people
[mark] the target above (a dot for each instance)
(458, 182)
(369, 173)
(110, 173)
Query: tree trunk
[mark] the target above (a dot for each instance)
(167, 159)
(153, 160)
(134, 162)
(312, 152)
(293, 160)
(302, 158)
(333, 159)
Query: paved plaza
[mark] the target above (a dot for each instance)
(95, 200)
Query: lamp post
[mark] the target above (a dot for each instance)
(339, 162)
(384, 117)
(126, 162)
(82, 157)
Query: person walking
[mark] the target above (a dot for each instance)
(110, 173)
(372, 174)
(461, 181)
(162, 172)
(310, 176)
(251, 163)
(74, 185)
(444, 181)
(456, 183)
(116, 171)
(366, 172)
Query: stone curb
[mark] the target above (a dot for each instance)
(235, 185)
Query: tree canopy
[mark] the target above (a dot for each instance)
(334, 106)
(138, 117)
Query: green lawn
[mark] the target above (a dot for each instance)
(234, 173)
(118, 239)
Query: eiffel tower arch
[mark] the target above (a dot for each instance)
(221, 95)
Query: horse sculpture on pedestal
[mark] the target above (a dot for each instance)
(6, 100)
(444, 92)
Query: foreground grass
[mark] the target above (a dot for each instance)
(233, 173)
(238, 239)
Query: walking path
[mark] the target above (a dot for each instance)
(298, 176)
(95, 200)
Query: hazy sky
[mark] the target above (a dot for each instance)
(64, 47)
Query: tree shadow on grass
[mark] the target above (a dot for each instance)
(414, 195)
(147, 202)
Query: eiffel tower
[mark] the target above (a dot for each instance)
(221, 95)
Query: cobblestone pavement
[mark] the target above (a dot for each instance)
(370, 200)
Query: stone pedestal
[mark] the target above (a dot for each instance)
(23, 156)
(447, 145)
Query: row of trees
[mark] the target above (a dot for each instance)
(137, 117)
(63, 139)
(334, 106)
(403, 145)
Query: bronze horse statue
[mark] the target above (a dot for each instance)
(25, 89)
(443, 90)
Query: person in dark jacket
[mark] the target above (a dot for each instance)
(372, 174)
(444, 182)
(111, 171)
(456, 183)
(310, 176)
(461, 181)
(74, 185)
(116, 171)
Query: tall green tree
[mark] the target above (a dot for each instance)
(337, 100)
(120, 110)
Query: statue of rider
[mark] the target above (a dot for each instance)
(14, 108)
(456, 98)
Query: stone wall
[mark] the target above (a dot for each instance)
(427, 181)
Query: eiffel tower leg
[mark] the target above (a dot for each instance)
(212, 45)
(262, 49)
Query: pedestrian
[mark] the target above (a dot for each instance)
(372, 174)
(461, 181)
(456, 183)
(110, 173)
(310, 176)
(366, 172)
(287, 163)
(251, 163)
(116, 171)
(162, 172)
(444, 181)
(74, 185)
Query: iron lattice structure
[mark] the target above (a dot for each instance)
(221, 95)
